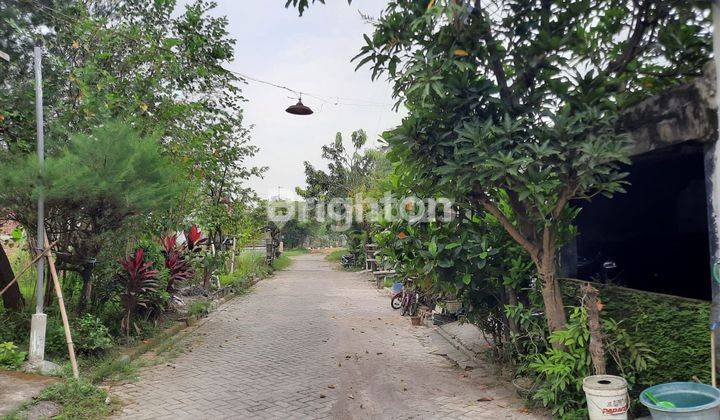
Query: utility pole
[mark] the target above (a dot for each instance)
(39, 319)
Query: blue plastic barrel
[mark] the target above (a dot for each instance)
(397, 287)
(693, 401)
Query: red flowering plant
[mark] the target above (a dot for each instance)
(139, 279)
(179, 266)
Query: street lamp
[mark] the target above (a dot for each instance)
(38, 322)
(299, 109)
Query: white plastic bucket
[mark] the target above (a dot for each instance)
(607, 397)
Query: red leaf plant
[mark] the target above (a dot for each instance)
(194, 239)
(138, 278)
(179, 267)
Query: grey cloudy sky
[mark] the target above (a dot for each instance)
(310, 54)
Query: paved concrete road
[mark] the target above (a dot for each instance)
(314, 342)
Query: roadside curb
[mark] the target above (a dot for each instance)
(472, 359)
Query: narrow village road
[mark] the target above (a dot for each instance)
(313, 342)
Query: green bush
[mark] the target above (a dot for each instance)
(14, 326)
(10, 356)
(91, 336)
(560, 372)
(675, 328)
(55, 344)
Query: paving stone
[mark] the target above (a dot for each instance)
(272, 354)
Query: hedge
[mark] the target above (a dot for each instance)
(676, 328)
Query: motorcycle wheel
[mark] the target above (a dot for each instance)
(396, 302)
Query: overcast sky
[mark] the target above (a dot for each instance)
(310, 54)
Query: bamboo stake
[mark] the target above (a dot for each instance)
(63, 314)
(27, 267)
(713, 362)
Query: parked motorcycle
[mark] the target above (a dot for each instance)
(348, 260)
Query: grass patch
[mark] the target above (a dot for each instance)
(114, 369)
(80, 399)
(200, 307)
(248, 265)
(296, 251)
(282, 262)
(336, 255)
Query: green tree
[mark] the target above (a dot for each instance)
(347, 172)
(515, 102)
(302, 5)
(152, 64)
(93, 188)
(157, 67)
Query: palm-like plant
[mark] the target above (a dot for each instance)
(179, 267)
(138, 278)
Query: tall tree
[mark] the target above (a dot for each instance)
(348, 169)
(92, 190)
(151, 64)
(515, 101)
(155, 65)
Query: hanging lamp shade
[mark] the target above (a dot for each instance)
(299, 109)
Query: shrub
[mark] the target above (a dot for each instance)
(10, 356)
(138, 279)
(675, 328)
(92, 188)
(194, 239)
(55, 344)
(14, 326)
(179, 267)
(560, 371)
(91, 336)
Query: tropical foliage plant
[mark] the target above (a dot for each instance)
(179, 267)
(10, 356)
(138, 278)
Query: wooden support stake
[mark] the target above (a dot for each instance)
(597, 350)
(713, 362)
(27, 267)
(63, 314)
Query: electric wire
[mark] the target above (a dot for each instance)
(330, 100)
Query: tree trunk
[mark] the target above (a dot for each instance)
(512, 301)
(597, 349)
(552, 296)
(207, 276)
(86, 295)
(12, 298)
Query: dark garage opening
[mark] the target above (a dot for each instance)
(656, 233)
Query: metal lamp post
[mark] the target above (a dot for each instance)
(38, 322)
